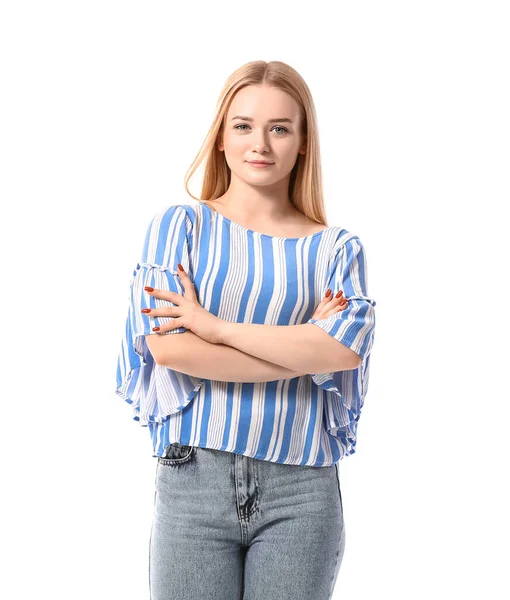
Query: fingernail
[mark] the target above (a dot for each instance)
(155, 329)
(339, 294)
(343, 303)
(328, 293)
(180, 266)
(148, 288)
(146, 310)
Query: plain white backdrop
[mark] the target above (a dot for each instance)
(103, 108)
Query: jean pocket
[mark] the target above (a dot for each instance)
(177, 454)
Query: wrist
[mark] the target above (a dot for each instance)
(226, 331)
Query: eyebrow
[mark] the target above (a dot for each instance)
(283, 120)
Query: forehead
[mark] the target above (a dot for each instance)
(263, 102)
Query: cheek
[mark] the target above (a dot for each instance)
(288, 153)
(235, 144)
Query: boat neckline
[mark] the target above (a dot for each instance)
(258, 233)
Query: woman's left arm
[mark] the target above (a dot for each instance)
(303, 348)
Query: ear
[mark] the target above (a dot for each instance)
(219, 138)
(302, 149)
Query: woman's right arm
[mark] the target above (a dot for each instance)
(190, 354)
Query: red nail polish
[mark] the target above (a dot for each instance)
(155, 329)
(339, 294)
(148, 288)
(328, 293)
(146, 310)
(180, 266)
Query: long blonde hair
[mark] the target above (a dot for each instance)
(305, 185)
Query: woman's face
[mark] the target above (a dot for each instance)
(262, 123)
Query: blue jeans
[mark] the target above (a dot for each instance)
(231, 527)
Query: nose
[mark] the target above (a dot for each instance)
(259, 141)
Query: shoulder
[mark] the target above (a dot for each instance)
(176, 212)
(170, 229)
(171, 219)
(347, 249)
(344, 239)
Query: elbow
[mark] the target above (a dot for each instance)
(350, 360)
(157, 360)
(347, 361)
(172, 351)
(334, 355)
(155, 346)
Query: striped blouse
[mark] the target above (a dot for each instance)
(244, 276)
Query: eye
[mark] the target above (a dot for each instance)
(284, 130)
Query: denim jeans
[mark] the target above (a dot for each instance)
(231, 527)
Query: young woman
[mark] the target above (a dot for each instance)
(253, 405)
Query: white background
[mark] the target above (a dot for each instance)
(103, 108)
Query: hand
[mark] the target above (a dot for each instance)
(330, 306)
(188, 312)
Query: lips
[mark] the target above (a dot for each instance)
(260, 162)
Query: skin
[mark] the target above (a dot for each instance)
(256, 198)
(190, 314)
(259, 198)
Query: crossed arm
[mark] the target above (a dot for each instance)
(254, 353)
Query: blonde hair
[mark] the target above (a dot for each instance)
(305, 184)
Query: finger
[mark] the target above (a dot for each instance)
(322, 306)
(189, 288)
(328, 303)
(174, 324)
(164, 311)
(334, 310)
(338, 300)
(324, 301)
(338, 297)
(164, 295)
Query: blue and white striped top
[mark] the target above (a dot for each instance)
(245, 276)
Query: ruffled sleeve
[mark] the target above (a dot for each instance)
(354, 327)
(155, 391)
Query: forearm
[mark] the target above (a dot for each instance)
(194, 356)
(304, 348)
